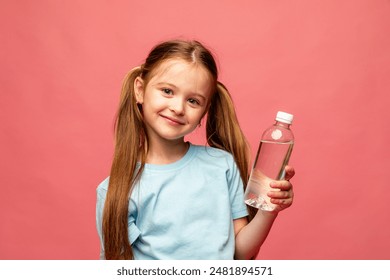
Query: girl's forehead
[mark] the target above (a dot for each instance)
(173, 68)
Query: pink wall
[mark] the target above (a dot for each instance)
(327, 62)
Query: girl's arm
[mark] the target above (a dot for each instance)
(250, 236)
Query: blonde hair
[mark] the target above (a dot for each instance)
(222, 129)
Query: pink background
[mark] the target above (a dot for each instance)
(327, 62)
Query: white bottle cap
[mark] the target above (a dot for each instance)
(284, 117)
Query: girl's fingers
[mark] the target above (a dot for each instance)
(281, 185)
(280, 194)
(282, 202)
(290, 172)
(282, 191)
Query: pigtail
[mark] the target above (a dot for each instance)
(129, 146)
(223, 131)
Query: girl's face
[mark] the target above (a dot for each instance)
(174, 100)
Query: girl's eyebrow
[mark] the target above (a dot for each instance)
(200, 96)
(166, 84)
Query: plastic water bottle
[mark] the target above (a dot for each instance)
(272, 156)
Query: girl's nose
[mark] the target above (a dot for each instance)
(177, 106)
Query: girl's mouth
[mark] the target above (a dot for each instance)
(173, 120)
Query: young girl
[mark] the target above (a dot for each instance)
(167, 198)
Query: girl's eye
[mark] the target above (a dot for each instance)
(193, 101)
(167, 91)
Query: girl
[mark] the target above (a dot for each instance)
(167, 198)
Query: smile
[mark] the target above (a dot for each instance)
(173, 120)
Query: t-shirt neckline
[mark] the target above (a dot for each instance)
(174, 165)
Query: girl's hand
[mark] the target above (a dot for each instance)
(282, 198)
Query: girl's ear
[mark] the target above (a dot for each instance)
(139, 90)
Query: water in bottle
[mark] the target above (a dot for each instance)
(273, 154)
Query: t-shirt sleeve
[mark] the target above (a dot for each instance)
(236, 191)
(133, 231)
(101, 192)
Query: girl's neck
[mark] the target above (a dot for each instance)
(166, 152)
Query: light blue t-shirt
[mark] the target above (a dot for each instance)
(184, 210)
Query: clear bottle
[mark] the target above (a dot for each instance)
(272, 156)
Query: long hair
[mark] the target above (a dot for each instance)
(131, 141)
(223, 131)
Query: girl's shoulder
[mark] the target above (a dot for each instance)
(103, 186)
